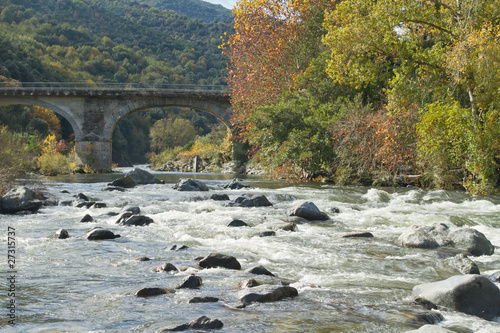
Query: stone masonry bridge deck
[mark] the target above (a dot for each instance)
(94, 110)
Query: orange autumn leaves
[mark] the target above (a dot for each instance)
(264, 61)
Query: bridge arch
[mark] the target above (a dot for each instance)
(56, 109)
(218, 109)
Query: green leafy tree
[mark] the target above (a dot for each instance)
(170, 133)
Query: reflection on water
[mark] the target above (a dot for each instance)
(344, 284)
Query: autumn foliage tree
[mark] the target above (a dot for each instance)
(264, 54)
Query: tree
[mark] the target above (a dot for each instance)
(169, 133)
(421, 52)
(263, 52)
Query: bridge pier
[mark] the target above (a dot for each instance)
(95, 154)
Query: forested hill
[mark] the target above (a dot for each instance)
(194, 9)
(103, 40)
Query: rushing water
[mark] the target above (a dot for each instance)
(344, 284)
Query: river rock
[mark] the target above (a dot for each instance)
(166, 267)
(123, 182)
(219, 197)
(250, 283)
(269, 233)
(135, 210)
(154, 291)
(191, 282)
(82, 196)
(137, 220)
(472, 294)
(203, 323)
(250, 200)
(425, 237)
(309, 211)
(237, 223)
(235, 184)
(214, 260)
(189, 184)
(472, 241)
(273, 296)
(260, 270)
(206, 299)
(61, 234)
(87, 218)
(20, 199)
(143, 177)
(463, 264)
(101, 234)
(359, 235)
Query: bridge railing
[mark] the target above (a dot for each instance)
(53, 86)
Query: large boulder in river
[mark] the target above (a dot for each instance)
(472, 241)
(425, 237)
(214, 260)
(437, 235)
(123, 182)
(20, 199)
(189, 184)
(471, 294)
(309, 211)
(143, 177)
(250, 200)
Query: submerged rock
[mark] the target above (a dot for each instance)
(190, 185)
(309, 211)
(203, 323)
(214, 260)
(359, 235)
(471, 294)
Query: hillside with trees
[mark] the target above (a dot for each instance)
(114, 42)
(370, 92)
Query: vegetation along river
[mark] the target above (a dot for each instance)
(353, 284)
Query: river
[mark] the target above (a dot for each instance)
(344, 284)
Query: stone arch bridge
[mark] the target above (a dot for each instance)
(94, 110)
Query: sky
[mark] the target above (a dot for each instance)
(226, 3)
